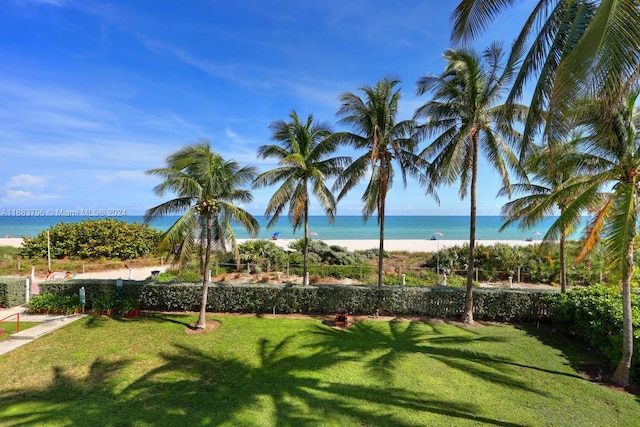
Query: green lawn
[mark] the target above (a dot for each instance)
(10, 328)
(299, 372)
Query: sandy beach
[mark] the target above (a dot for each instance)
(408, 245)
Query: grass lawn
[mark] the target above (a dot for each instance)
(298, 372)
(10, 328)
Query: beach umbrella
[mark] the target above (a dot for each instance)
(275, 235)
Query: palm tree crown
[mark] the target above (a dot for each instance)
(464, 116)
(206, 188)
(302, 153)
(385, 141)
(574, 48)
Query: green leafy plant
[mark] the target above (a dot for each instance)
(103, 304)
(102, 238)
(126, 305)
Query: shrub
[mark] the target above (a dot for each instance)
(53, 303)
(102, 238)
(594, 315)
(12, 291)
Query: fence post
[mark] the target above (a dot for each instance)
(33, 273)
(27, 292)
(476, 273)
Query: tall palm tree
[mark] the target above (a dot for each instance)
(374, 129)
(206, 188)
(576, 48)
(553, 169)
(465, 117)
(302, 153)
(615, 144)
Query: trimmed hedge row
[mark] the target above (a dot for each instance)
(12, 291)
(489, 304)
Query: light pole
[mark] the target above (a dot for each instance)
(435, 237)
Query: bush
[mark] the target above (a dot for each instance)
(594, 315)
(102, 238)
(443, 302)
(12, 291)
(55, 304)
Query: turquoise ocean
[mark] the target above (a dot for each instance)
(344, 227)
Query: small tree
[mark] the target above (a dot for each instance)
(303, 152)
(206, 186)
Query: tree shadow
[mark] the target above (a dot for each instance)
(581, 357)
(394, 340)
(195, 386)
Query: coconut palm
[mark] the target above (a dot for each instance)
(615, 144)
(374, 130)
(553, 169)
(576, 48)
(465, 117)
(206, 188)
(302, 153)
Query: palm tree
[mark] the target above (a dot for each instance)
(465, 117)
(577, 48)
(615, 144)
(302, 156)
(374, 129)
(553, 168)
(206, 187)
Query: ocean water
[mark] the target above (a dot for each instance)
(344, 227)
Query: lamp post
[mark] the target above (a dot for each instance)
(435, 237)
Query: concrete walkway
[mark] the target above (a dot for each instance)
(48, 323)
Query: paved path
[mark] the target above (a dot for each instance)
(48, 323)
(124, 273)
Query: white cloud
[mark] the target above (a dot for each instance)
(26, 180)
(121, 176)
(231, 134)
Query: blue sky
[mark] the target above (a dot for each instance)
(94, 93)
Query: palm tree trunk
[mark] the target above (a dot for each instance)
(468, 298)
(621, 374)
(563, 263)
(381, 247)
(381, 208)
(305, 252)
(202, 319)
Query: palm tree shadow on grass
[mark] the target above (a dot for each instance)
(195, 386)
(403, 338)
(581, 356)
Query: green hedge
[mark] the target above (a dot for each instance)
(12, 291)
(594, 315)
(92, 288)
(489, 304)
